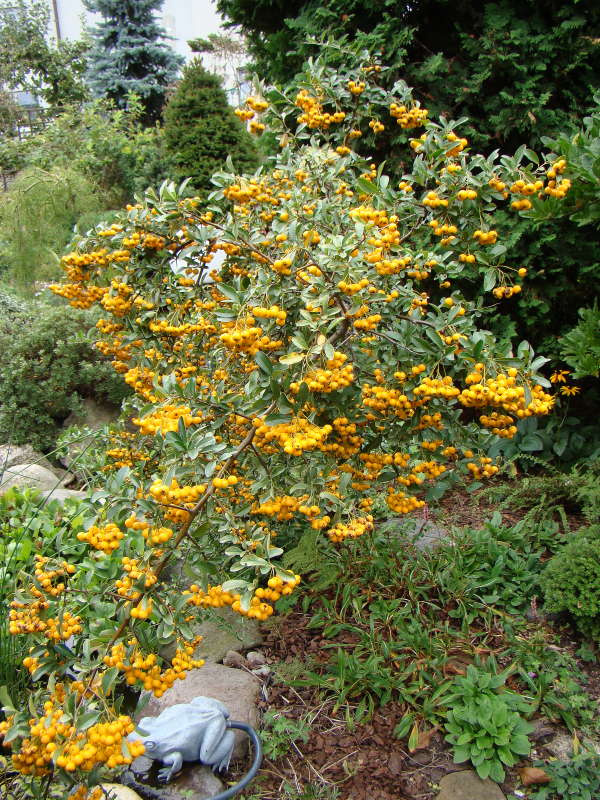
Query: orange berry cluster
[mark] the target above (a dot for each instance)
(500, 424)
(386, 400)
(356, 88)
(505, 292)
(285, 506)
(433, 200)
(106, 538)
(293, 437)
(166, 418)
(486, 237)
(485, 468)
(403, 503)
(409, 118)
(313, 114)
(353, 288)
(369, 323)
(215, 597)
(248, 339)
(273, 312)
(351, 530)
(47, 578)
(133, 574)
(335, 376)
(145, 670)
(436, 387)
(466, 194)
(503, 392)
(53, 739)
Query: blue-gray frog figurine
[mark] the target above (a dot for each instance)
(195, 731)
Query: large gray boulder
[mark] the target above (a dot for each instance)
(11, 454)
(224, 630)
(28, 476)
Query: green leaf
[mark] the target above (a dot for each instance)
(5, 700)
(402, 728)
(531, 443)
(229, 292)
(292, 358)
(489, 280)
(366, 186)
(264, 362)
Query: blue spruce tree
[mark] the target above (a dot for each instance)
(128, 55)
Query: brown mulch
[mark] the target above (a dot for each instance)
(364, 761)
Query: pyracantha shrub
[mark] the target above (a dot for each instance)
(298, 348)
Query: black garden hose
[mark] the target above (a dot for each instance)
(251, 774)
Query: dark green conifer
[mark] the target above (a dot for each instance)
(201, 129)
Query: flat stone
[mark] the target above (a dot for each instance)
(467, 785)
(224, 630)
(92, 415)
(28, 476)
(194, 781)
(199, 783)
(426, 535)
(422, 533)
(237, 689)
(117, 791)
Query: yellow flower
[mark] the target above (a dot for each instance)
(559, 376)
(569, 390)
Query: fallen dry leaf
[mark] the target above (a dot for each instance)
(531, 775)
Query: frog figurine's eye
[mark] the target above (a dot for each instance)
(149, 744)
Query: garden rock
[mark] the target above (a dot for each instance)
(426, 535)
(223, 631)
(542, 731)
(11, 454)
(467, 785)
(28, 476)
(234, 659)
(237, 689)
(92, 415)
(118, 792)
(423, 534)
(255, 659)
(194, 781)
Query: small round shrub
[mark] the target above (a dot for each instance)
(47, 365)
(571, 581)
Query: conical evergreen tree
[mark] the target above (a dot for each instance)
(201, 129)
(128, 55)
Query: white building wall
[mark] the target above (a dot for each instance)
(182, 19)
